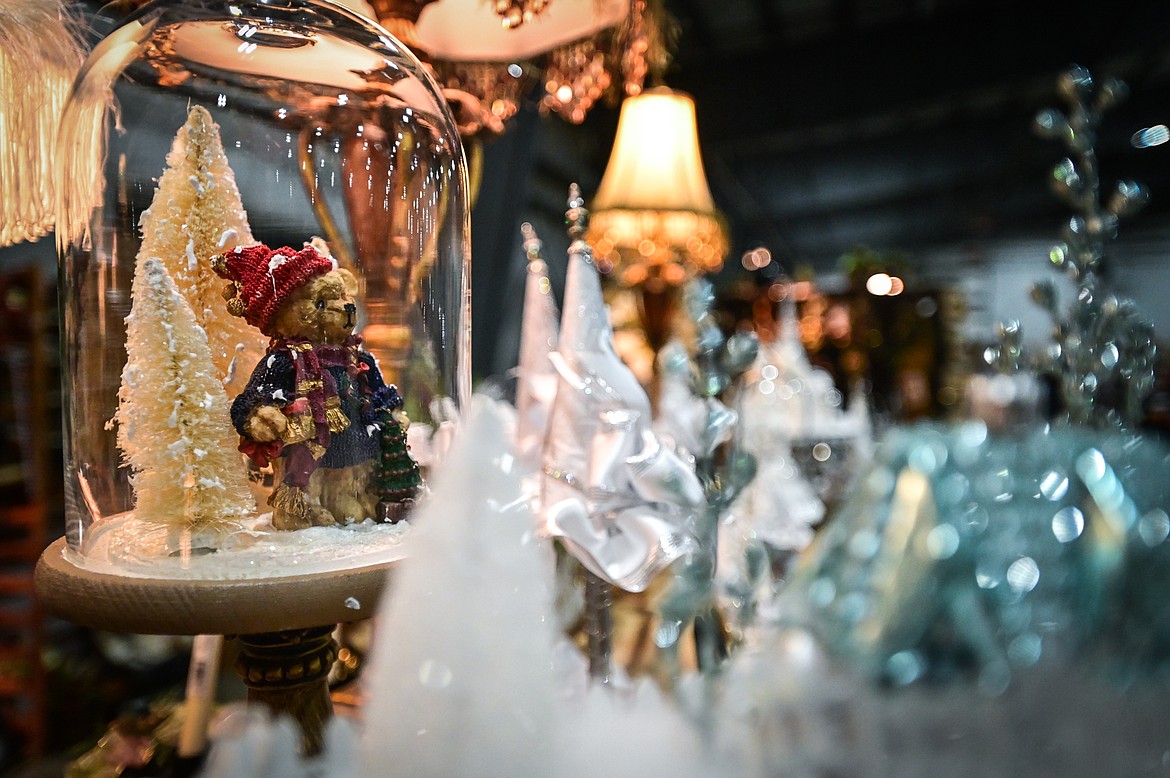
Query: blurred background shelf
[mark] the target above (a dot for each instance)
(30, 493)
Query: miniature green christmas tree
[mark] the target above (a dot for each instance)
(173, 423)
(197, 213)
(397, 476)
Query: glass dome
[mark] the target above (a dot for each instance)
(231, 169)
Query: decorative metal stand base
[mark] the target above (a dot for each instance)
(288, 672)
(599, 627)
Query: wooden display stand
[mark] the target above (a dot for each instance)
(284, 625)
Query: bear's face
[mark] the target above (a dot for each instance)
(322, 310)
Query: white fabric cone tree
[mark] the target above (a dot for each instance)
(174, 428)
(537, 382)
(196, 213)
(450, 701)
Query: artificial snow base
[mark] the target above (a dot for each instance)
(126, 546)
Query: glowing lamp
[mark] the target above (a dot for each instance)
(654, 221)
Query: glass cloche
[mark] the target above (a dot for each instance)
(264, 251)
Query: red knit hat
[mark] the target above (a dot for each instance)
(262, 279)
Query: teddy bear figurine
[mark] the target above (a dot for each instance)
(316, 400)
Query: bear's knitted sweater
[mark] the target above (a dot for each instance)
(356, 382)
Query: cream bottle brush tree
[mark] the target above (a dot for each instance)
(173, 424)
(195, 213)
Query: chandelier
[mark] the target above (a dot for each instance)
(488, 55)
(514, 13)
(579, 52)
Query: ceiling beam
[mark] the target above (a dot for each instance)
(911, 62)
(696, 32)
(770, 21)
(843, 16)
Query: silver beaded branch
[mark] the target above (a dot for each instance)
(716, 365)
(1103, 350)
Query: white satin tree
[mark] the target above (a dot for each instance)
(621, 501)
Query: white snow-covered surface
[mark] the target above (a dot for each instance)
(125, 546)
(781, 710)
(469, 676)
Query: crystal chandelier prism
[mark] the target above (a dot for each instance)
(580, 52)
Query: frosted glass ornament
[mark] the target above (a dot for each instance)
(974, 551)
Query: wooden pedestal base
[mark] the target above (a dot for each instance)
(284, 624)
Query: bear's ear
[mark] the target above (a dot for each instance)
(349, 280)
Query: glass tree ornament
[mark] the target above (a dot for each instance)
(793, 405)
(985, 548)
(977, 550)
(288, 123)
(1103, 349)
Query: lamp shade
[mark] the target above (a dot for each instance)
(654, 220)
